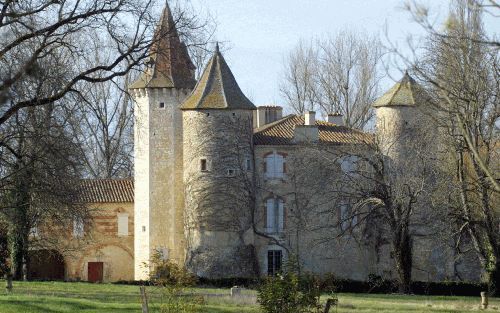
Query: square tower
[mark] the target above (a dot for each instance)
(159, 200)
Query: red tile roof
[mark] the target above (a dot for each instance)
(107, 190)
(281, 133)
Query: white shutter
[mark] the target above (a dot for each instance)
(77, 228)
(270, 226)
(278, 165)
(281, 215)
(270, 166)
(123, 224)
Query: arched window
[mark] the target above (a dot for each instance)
(275, 215)
(275, 165)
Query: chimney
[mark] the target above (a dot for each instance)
(310, 118)
(309, 131)
(336, 118)
(267, 114)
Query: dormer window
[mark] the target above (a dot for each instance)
(162, 105)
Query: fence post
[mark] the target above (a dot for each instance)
(144, 300)
(484, 300)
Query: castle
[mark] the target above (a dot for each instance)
(230, 189)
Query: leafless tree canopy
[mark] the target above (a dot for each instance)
(337, 74)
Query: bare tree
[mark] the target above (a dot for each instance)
(460, 64)
(338, 74)
(48, 56)
(298, 85)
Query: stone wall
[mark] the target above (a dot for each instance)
(218, 199)
(159, 201)
(101, 243)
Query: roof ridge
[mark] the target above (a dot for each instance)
(218, 67)
(277, 122)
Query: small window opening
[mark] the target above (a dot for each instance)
(143, 228)
(203, 165)
(234, 114)
(230, 172)
(162, 105)
(248, 164)
(208, 114)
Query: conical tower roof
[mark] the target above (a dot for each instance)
(169, 65)
(217, 88)
(406, 92)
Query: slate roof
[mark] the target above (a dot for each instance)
(281, 133)
(406, 92)
(170, 64)
(107, 190)
(217, 88)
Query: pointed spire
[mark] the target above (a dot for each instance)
(406, 92)
(169, 65)
(217, 50)
(217, 88)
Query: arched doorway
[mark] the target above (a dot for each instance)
(46, 265)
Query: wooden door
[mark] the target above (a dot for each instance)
(95, 272)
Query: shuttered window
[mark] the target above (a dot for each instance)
(275, 215)
(275, 166)
(122, 224)
(78, 227)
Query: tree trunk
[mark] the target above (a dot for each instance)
(18, 251)
(402, 251)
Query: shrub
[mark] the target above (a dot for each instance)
(287, 293)
(174, 280)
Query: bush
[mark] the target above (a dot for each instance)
(174, 280)
(287, 293)
(376, 284)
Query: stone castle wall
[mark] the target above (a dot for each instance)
(218, 203)
(159, 201)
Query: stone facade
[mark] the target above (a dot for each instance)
(218, 204)
(101, 242)
(159, 191)
(230, 200)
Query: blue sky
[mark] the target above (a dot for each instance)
(260, 33)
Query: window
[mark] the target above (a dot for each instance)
(274, 261)
(78, 227)
(230, 172)
(248, 164)
(203, 165)
(275, 165)
(162, 105)
(122, 224)
(275, 215)
(143, 229)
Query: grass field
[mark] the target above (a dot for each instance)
(58, 297)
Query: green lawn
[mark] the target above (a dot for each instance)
(57, 297)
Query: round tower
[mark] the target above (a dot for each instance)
(404, 121)
(218, 164)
